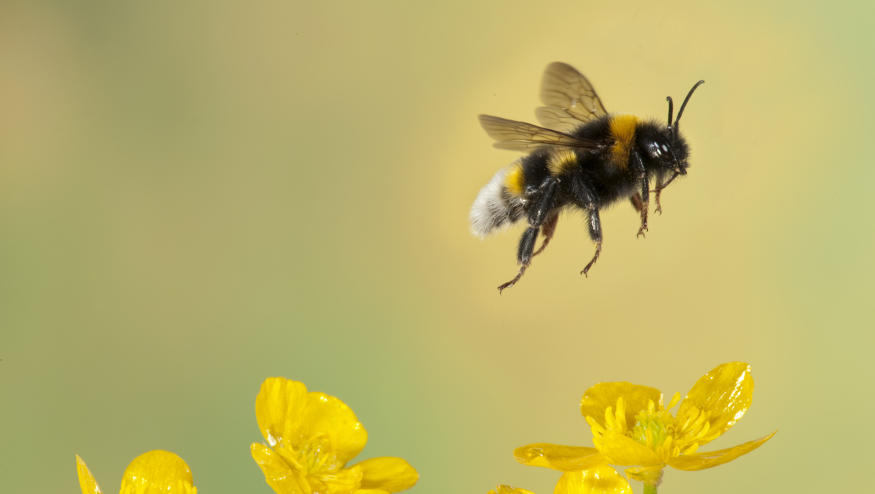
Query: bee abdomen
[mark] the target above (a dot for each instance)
(499, 202)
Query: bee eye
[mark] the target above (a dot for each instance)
(655, 150)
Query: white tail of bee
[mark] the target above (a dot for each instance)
(494, 206)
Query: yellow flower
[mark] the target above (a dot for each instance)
(310, 438)
(631, 427)
(600, 479)
(155, 472)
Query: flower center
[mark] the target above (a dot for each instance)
(314, 457)
(318, 467)
(656, 428)
(652, 427)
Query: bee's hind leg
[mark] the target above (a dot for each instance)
(541, 214)
(524, 255)
(586, 199)
(595, 232)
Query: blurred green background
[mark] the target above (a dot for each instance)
(198, 195)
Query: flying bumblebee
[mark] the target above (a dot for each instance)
(582, 157)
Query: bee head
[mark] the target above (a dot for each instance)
(670, 148)
(665, 151)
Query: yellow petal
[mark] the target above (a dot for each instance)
(388, 474)
(328, 415)
(86, 481)
(157, 472)
(278, 400)
(700, 461)
(618, 449)
(506, 489)
(600, 479)
(723, 395)
(558, 457)
(603, 395)
(277, 473)
(285, 410)
(370, 491)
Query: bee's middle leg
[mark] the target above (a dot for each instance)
(637, 203)
(547, 230)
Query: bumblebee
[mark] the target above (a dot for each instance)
(582, 157)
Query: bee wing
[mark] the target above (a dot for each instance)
(558, 118)
(522, 136)
(569, 98)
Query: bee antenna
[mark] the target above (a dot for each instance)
(670, 110)
(684, 104)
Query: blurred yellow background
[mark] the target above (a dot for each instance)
(198, 195)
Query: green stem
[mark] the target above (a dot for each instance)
(649, 488)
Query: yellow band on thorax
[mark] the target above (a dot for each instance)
(623, 131)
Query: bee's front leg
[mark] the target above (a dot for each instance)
(638, 167)
(660, 186)
(657, 192)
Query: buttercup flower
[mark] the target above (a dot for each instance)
(310, 438)
(631, 427)
(600, 479)
(155, 472)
